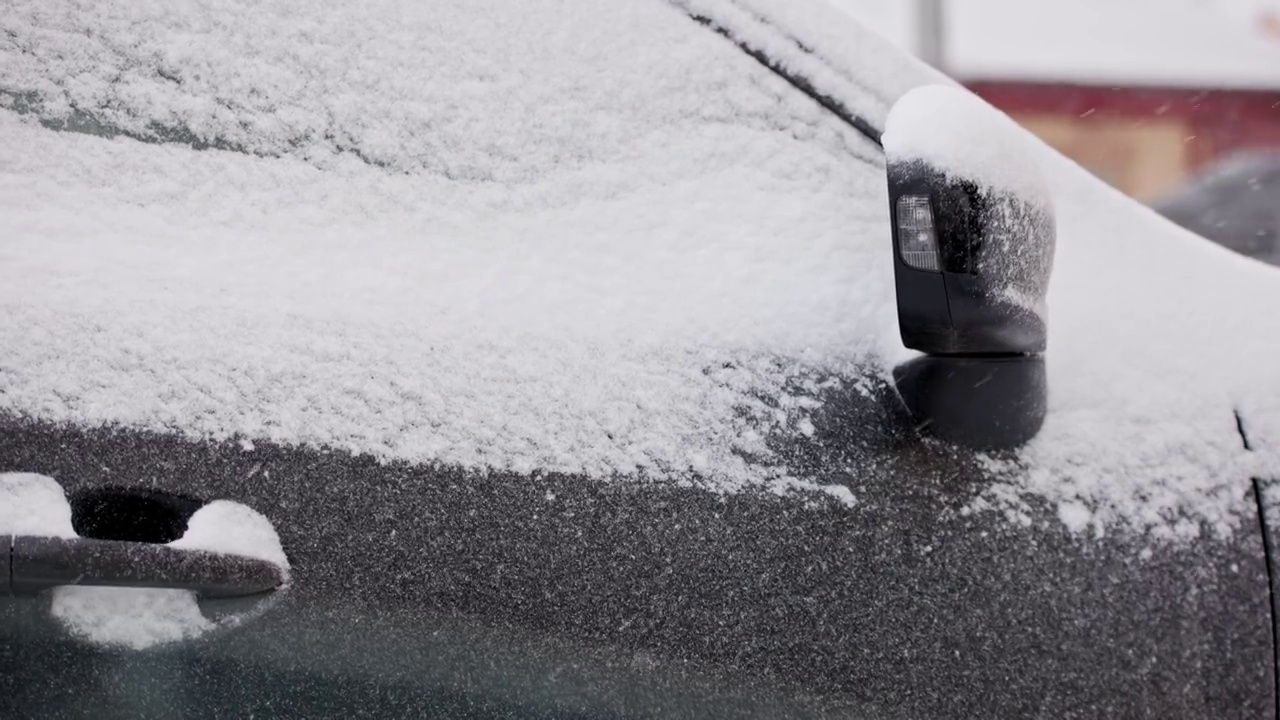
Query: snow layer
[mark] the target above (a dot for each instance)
(230, 528)
(33, 504)
(976, 142)
(457, 245)
(1156, 338)
(464, 90)
(564, 314)
(133, 618)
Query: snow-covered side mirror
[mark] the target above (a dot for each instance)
(973, 227)
(973, 243)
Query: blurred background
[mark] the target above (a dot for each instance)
(1175, 102)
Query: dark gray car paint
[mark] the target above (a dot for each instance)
(419, 588)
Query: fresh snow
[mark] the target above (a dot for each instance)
(624, 282)
(133, 618)
(446, 242)
(1156, 338)
(230, 528)
(33, 504)
(975, 142)
(1074, 515)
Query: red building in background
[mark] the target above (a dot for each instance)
(1141, 92)
(1143, 140)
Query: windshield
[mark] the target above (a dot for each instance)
(426, 235)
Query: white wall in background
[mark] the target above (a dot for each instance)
(1233, 43)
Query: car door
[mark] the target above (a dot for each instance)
(554, 346)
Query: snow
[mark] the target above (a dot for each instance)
(976, 142)
(1261, 424)
(1074, 516)
(1156, 338)
(621, 296)
(33, 504)
(1179, 43)
(230, 528)
(407, 87)
(132, 618)
(895, 21)
(453, 245)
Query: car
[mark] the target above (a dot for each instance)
(1233, 203)
(601, 358)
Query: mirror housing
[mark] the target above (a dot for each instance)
(985, 292)
(973, 239)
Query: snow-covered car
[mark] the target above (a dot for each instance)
(544, 359)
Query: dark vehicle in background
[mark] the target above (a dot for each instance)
(1235, 203)
(558, 360)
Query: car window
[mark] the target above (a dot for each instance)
(430, 236)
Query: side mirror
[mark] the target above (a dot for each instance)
(973, 244)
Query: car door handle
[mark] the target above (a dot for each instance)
(35, 564)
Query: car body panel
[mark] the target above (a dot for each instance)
(899, 607)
